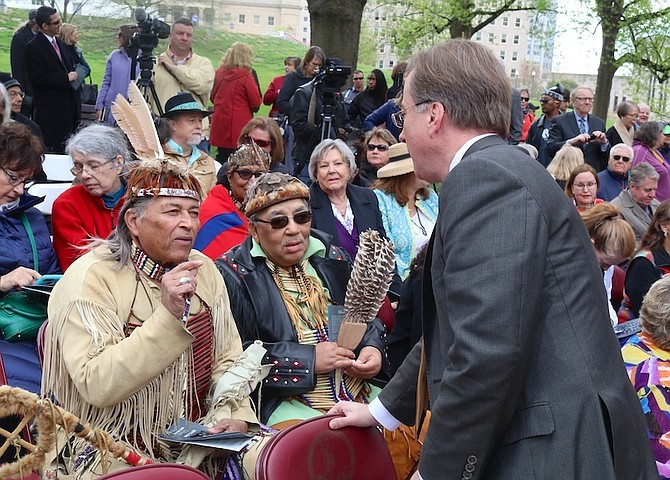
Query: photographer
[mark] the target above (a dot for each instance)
(317, 112)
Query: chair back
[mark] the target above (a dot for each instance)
(157, 471)
(311, 450)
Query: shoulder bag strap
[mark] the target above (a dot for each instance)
(31, 237)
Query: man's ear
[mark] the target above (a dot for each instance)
(132, 220)
(253, 232)
(437, 117)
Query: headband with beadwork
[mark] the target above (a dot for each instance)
(162, 178)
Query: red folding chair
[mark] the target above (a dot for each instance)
(157, 471)
(310, 450)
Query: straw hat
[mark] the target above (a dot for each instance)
(400, 162)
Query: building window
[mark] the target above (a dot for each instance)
(503, 38)
(513, 73)
(257, 19)
(377, 15)
(516, 39)
(478, 36)
(304, 19)
(242, 19)
(517, 22)
(304, 29)
(381, 64)
(502, 54)
(381, 49)
(505, 21)
(492, 37)
(515, 56)
(271, 21)
(209, 15)
(391, 63)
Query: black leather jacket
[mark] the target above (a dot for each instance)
(260, 314)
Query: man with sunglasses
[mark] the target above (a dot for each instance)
(614, 179)
(282, 281)
(50, 69)
(357, 87)
(550, 103)
(185, 118)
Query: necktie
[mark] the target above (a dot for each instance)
(55, 45)
(582, 126)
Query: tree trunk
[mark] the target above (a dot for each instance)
(610, 14)
(336, 27)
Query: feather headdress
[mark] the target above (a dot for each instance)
(135, 120)
(370, 280)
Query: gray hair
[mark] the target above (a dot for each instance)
(641, 171)
(326, 146)
(573, 94)
(120, 241)
(6, 113)
(623, 146)
(99, 140)
(655, 313)
(468, 80)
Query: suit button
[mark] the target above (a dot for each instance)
(472, 459)
(467, 475)
(470, 468)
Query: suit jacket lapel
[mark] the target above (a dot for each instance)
(52, 51)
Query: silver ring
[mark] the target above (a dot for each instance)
(184, 280)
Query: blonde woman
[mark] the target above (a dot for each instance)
(69, 34)
(564, 162)
(236, 97)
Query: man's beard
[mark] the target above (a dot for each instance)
(194, 139)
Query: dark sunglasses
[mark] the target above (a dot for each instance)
(247, 174)
(525, 99)
(260, 143)
(281, 221)
(621, 157)
(358, 78)
(544, 100)
(381, 148)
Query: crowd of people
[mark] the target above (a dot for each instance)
(172, 266)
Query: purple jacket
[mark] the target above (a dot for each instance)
(645, 154)
(115, 80)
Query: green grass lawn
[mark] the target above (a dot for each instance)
(97, 38)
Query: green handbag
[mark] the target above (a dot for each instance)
(22, 313)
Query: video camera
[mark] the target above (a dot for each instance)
(332, 77)
(151, 30)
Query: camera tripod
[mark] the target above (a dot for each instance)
(146, 81)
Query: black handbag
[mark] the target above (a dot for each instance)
(89, 92)
(22, 314)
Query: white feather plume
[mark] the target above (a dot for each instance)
(135, 120)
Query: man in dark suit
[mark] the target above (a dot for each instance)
(523, 372)
(17, 58)
(580, 129)
(51, 70)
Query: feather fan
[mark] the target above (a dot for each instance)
(135, 120)
(370, 280)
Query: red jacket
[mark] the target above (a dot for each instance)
(236, 96)
(76, 217)
(270, 96)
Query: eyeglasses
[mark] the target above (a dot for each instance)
(257, 141)
(582, 186)
(17, 94)
(525, 99)
(247, 174)
(57, 22)
(584, 99)
(621, 157)
(398, 118)
(380, 147)
(15, 181)
(281, 221)
(360, 79)
(94, 168)
(544, 100)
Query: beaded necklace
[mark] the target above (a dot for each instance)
(144, 263)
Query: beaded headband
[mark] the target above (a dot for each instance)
(162, 178)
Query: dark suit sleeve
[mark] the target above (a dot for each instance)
(488, 273)
(39, 76)
(516, 119)
(557, 136)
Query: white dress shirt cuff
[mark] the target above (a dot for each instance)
(382, 415)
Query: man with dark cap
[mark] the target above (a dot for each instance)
(550, 103)
(16, 97)
(16, 56)
(184, 115)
